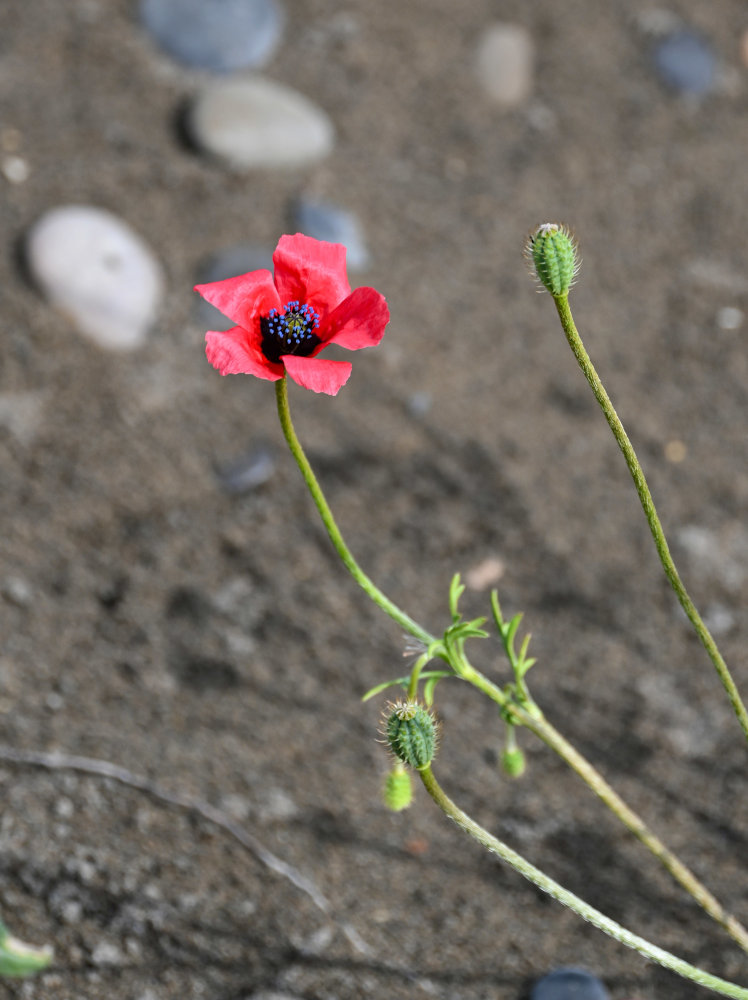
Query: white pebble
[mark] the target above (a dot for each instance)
(505, 64)
(15, 169)
(253, 123)
(730, 318)
(94, 268)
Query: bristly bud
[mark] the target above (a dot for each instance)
(552, 254)
(411, 733)
(398, 789)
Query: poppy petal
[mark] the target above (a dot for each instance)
(358, 321)
(232, 353)
(310, 271)
(317, 374)
(244, 298)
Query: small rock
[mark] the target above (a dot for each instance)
(94, 268)
(719, 619)
(18, 591)
(675, 451)
(106, 953)
(505, 64)
(254, 123)
(248, 472)
(569, 984)
(485, 573)
(21, 414)
(730, 318)
(15, 169)
(419, 403)
(324, 221)
(227, 263)
(686, 63)
(222, 35)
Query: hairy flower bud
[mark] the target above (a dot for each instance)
(411, 733)
(552, 254)
(398, 790)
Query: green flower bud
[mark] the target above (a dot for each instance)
(513, 762)
(411, 733)
(398, 790)
(552, 254)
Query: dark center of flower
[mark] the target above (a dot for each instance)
(289, 332)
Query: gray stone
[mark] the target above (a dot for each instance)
(505, 61)
(569, 984)
(217, 35)
(686, 63)
(248, 472)
(95, 269)
(252, 123)
(325, 221)
(227, 263)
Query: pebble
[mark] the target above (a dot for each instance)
(227, 263)
(95, 269)
(686, 63)
(252, 123)
(484, 574)
(21, 414)
(505, 62)
(325, 221)
(245, 474)
(730, 318)
(15, 169)
(569, 984)
(18, 591)
(220, 35)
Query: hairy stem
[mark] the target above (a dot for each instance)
(637, 474)
(402, 619)
(584, 910)
(539, 725)
(532, 720)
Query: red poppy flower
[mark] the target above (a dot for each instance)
(284, 321)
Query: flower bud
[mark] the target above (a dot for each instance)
(398, 790)
(513, 762)
(411, 733)
(552, 254)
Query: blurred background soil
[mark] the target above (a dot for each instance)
(205, 637)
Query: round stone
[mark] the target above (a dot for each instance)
(569, 984)
(686, 63)
(94, 268)
(324, 221)
(505, 61)
(252, 123)
(228, 263)
(217, 35)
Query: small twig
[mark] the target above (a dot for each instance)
(105, 769)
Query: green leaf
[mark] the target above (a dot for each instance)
(456, 590)
(19, 959)
(402, 681)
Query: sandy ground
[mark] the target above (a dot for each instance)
(213, 644)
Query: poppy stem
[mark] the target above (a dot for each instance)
(584, 910)
(645, 497)
(402, 619)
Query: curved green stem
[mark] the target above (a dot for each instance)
(529, 716)
(584, 910)
(402, 619)
(539, 725)
(637, 474)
